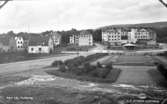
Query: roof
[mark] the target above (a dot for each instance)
(84, 32)
(36, 40)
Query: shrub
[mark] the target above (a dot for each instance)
(76, 61)
(106, 71)
(62, 68)
(99, 65)
(95, 56)
(109, 66)
(88, 68)
(57, 63)
(94, 73)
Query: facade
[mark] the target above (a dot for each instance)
(38, 49)
(84, 38)
(16, 44)
(131, 35)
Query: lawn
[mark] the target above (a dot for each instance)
(50, 95)
(4, 80)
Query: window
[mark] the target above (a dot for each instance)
(32, 49)
(18, 46)
(40, 49)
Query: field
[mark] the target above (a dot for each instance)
(136, 69)
(40, 88)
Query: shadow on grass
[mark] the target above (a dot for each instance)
(158, 78)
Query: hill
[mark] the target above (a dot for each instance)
(151, 25)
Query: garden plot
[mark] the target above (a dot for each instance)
(135, 75)
(135, 60)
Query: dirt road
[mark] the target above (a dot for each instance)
(31, 64)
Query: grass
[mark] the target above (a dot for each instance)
(10, 79)
(50, 95)
(74, 48)
(112, 76)
(158, 78)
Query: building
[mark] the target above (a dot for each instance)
(56, 37)
(84, 38)
(43, 44)
(16, 43)
(129, 35)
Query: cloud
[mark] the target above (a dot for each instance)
(41, 15)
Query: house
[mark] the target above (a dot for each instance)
(41, 44)
(84, 38)
(16, 43)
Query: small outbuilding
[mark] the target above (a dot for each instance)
(129, 46)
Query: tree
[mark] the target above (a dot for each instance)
(164, 3)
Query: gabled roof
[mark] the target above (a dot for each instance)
(84, 32)
(36, 40)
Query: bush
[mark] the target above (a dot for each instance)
(94, 73)
(162, 69)
(95, 56)
(88, 68)
(105, 73)
(63, 68)
(57, 63)
(99, 65)
(109, 66)
(75, 62)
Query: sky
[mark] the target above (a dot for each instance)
(42, 15)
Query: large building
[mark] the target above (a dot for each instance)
(128, 35)
(84, 38)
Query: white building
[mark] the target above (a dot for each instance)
(16, 44)
(131, 35)
(38, 49)
(84, 38)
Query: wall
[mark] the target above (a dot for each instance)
(44, 49)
